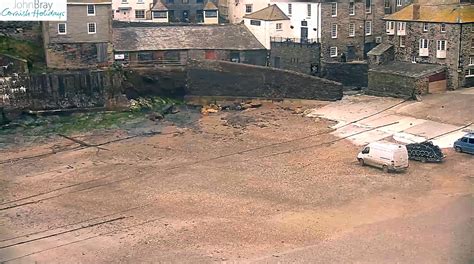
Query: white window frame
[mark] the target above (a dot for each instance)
(88, 28)
(425, 27)
(140, 1)
(441, 47)
(401, 28)
(308, 10)
(352, 30)
(290, 9)
(423, 48)
(471, 60)
(90, 14)
(401, 43)
(390, 27)
(334, 28)
(331, 53)
(333, 9)
(352, 9)
(65, 29)
(368, 23)
(368, 10)
(470, 72)
(442, 27)
(399, 2)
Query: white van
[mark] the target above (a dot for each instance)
(385, 155)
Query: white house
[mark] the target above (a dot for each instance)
(305, 17)
(235, 10)
(132, 10)
(268, 23)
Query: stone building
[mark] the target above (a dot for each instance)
(441, 34)
(84, 40)
(350, 28)
(187, 11)
(301, 57)
(174, 45)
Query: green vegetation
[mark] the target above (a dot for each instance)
(32, 52)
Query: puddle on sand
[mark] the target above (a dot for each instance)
(30, 129)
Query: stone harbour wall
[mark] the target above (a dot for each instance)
(388, 84)
(60, 90)
(219, 78)
(353, 74)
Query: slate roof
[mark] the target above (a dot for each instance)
(159, 6)
(415, 70)
(270, 13)
(180, 37)
(380, 49)
(450, 13)
(210, 6)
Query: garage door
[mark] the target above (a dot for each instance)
(437, 83)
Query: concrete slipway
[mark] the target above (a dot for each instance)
(434, 117)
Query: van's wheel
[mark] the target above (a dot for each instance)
(458, 149)
(361, 162)
(385, 168)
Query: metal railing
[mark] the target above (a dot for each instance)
(294, 40)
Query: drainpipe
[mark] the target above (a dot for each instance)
(459, 69)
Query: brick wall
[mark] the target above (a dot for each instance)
(295, 56)
(219, 78)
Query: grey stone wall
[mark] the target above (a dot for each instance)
(29, 31)
(59, 90)
(295, 56)
(351, 74)
(388, 84)
(219, 78)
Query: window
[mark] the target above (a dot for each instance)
(62, 28)
(368, 6)
(279, 26)
(352, 30)
(91, 10)
(139, 14)
(423, 50)
(170, 1)
(352, 9)
(304, 23)
(140, 1)
(399, 2)
(145, 56)
(290, 9)
(368, 28)
(471, 60)
(124, 1)
(210, 13)
(441, 49)
(401, 29)
(308, 10)
(333, 30)
(443, 27)
(248, 9)
(402, 41)
(472, 43)
(390, 27)
(185, 1)
(366, 150)
(255, 22)
(199, 1)
(159, 14)
(334, 9)
(333, 52)
(91, 28)
(470, 73)
(425, 27)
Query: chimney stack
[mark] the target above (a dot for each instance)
(416, 11)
